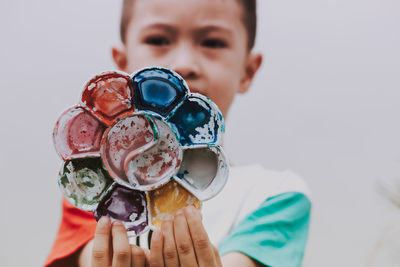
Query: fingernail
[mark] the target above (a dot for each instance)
(179, 212)
(191, 209)
(168, 217)
(117, 223)
(104, 220)
(156, 234)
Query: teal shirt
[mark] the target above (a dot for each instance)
(275, 234)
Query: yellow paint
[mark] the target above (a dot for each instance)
(169, 199)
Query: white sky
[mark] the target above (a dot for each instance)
(325, 105)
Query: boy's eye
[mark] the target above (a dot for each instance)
(214, 43)
(157, 41)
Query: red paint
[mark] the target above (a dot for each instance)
(156, 158)
(85, 133)
(122, 142)
(77, 133)
(158, 164)
(109, 96)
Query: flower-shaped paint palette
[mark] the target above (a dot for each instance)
(138, 147)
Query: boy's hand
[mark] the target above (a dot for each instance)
(183, 242)
(111, 247)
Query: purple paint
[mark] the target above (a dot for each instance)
(126, 205)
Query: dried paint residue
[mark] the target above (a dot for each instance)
(159, 162)
(198, 121)
(126, 205)
(77, 133)
(169, 199)
(84, 181)
(125, 140)
(108, 96)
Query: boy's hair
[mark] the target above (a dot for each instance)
(249, 19)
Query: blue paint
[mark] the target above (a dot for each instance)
(158, 90)
(158, 93)
(182, 175)
(191, 115)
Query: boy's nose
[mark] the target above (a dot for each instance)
(186, 73)
(184, 62)
(191, 76)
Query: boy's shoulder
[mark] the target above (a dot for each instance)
(271, 215)
(265, 183)
(248, 189)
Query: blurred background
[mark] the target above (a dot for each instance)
(326, 102)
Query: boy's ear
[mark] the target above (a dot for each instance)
(253, 63)
(120, 58)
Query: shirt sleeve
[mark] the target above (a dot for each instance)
(275, 234)
(77, 227)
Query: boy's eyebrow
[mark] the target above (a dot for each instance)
(200, 30)
(214, 28)
(161, 26)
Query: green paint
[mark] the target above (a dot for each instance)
(88, 184)
(64, 180)
(84, 182)
(74, 197)
(153, 127)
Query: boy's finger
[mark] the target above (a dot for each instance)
(121, 247)
(183, 241)
(101, 243)
(156, 249)
(169, 248)
(147, 255)
(138, 257)
(217, 257)
(202, 245)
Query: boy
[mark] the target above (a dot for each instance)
(260, 218)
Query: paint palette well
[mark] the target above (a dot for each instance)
(140, 146)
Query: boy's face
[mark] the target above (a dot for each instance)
(205, 41)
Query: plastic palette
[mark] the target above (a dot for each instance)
(140, 146)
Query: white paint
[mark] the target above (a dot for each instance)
(166, 145)
(206, 133)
